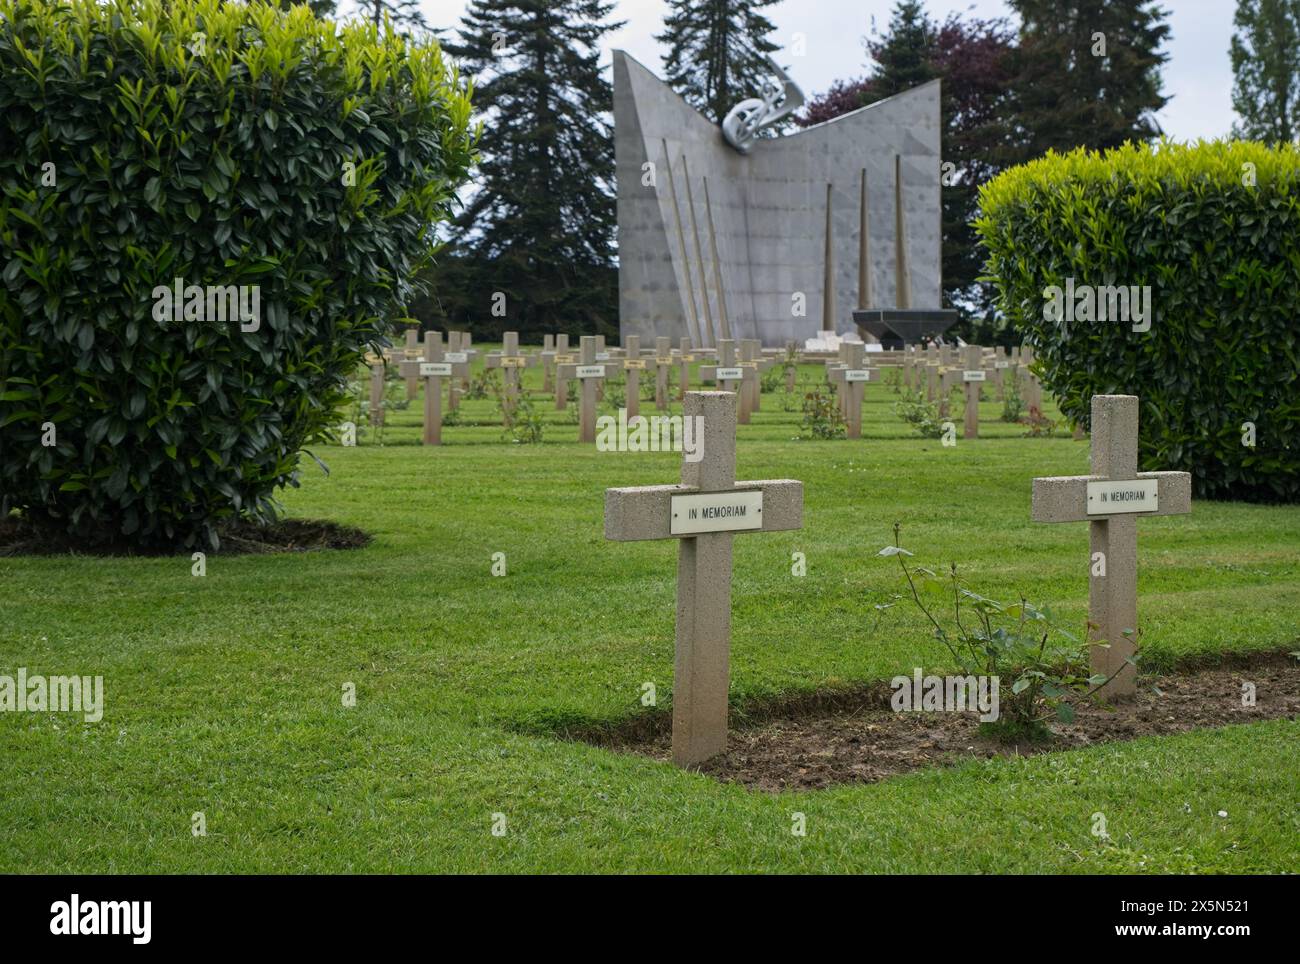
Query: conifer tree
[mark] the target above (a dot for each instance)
(715, 52)
(1265, 55)
(540, 227)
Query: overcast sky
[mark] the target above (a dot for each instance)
(1198, 75)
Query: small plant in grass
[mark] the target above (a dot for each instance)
(1019, 644)
(1038, 424)
(486, 384)
(524, 425)
(822, 417)
(615, 393)
(1013, 406)
(913, 409)
(894, 380)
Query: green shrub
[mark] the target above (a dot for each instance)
(822, 417)
(236, 147)
(1214, 230)
(1044, 667)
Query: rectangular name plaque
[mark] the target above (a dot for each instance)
(1116, 498)
(716, 512)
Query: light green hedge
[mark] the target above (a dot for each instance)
(1214, 230)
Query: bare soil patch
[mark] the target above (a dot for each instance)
(825, 739)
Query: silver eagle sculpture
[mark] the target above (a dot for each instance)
(779, 99)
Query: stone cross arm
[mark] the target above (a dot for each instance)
(646, 512)
(1065, 498)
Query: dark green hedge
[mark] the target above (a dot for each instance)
(226, 145)
(1214, 230)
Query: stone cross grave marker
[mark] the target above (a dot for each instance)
(459, 355)
(412, 346)
(589, 374)
(973, 377)
(562, 357)
(751, 359)
(727, 373)
(663, 365)
(851, 380)
(433, 370)
(1111, 501)
(633, 365)
(512, 363)
(548, 364)
(685, 358)
(377, 365)
(703, 512)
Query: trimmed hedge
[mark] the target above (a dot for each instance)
(1214, 230)
(229, 146)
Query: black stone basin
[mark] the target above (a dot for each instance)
(896, 327)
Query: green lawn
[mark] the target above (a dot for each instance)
(223, 693)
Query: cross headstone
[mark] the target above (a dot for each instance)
(377, 391)
(1111, 500)
(562, 357)
(685, 358)
(852, 380)
(663, 365)
(590, 374)
(792, 372)
(704, 512)
(1031, 390)
(548, 364)
(512, 362)
(973, 378)
(729, 373)
(751, 352)
(412, 346)
(632, 367)
(602, 356)
(433, 370)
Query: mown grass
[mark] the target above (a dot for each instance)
(224, 692)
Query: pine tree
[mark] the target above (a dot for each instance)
(1088, 73)
(540, 228)
(322, 8)
(716, 52)
(903, 55)
(1265, 55)
(402, 13)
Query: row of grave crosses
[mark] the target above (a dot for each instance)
(731, 366)
(590, 366)
(710, 506)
